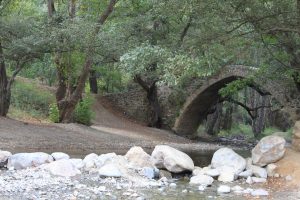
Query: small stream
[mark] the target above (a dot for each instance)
(185, 191)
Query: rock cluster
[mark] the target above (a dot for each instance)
(139, 169)
(227, 166)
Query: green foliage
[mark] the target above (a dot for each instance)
(83, 113)
(110, 79)
(275, 131)
(238, 129)
(233, 87)
(43, 70)
(29, 97)
(53, 113)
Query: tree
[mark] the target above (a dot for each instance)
(68, 97)
(21, 41)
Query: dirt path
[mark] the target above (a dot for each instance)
(110, 133)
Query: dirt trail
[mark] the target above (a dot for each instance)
(109, 119)
(110, 133)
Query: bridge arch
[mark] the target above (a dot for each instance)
(197, 105)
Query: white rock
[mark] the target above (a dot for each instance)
(227, 157)
(62, 167)
(102, 188)
(4, 155)
(248, 163)
(77, 162)
(105, 159)
(201, 180)
(201, 187)
(110, 170)
(223, 189)
(237, 188)
(248, 191)
(246, 173)
(271, 169)
(197, 171)
(148, 172)
(60, 156)
(258, 180)
(269, 150)
(89, 161)
(259, 171)
(173, 185)
(25, 160)
(171, 159)
(249, 180)
(259, 192)
(212, 172)
(227, 174)
(138, 157)
(288, 178)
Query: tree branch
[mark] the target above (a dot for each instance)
(248, 109)
(185, 30)
(138, 79)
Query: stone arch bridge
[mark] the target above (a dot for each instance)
(197, 105)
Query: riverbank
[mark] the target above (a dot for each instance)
(78, 140)
(59, 180)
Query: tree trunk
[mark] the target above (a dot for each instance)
(156, 119)
(258, 123)
(93, 82)
(4, 93)
(72, 8)
(51, 8)
(227, 119)
(213, 122)
(156, 116)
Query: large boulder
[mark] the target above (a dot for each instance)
(62, 167)
(25, 160)
(4, 155)
(138, 157)
(227, 157)
(171, 159)
(269, 150)
(60, 156)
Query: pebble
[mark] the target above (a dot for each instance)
(173, 185)
(201, 188)
(288, 178)
(259, 192)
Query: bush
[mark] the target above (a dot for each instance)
(28, 97)
(83, 113)
(54, 113)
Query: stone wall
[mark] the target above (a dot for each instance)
(132, 103)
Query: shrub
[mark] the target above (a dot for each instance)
(28, 97)
(83, 113)
(53, 113)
